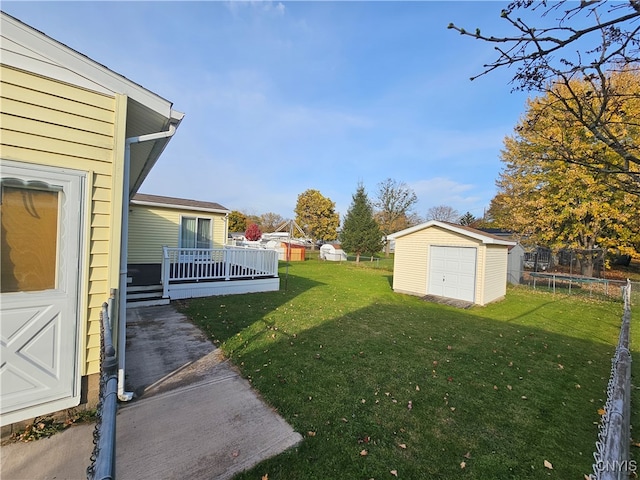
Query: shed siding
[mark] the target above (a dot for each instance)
(151, 228)
(51, 123)
(411, 264)
(495, 279)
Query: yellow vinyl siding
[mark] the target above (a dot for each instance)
(411, 264)
(495, 277)
(151, 228)
(47, 122)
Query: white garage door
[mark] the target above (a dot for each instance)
(452, 272)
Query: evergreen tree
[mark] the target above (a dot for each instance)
(360, 233)
(468, 219)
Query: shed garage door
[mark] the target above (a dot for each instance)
(452, 272)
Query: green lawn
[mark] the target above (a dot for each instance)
(494, 391)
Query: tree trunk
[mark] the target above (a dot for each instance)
(357, 257)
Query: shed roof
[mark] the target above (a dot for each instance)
(483, 237)
(178, 203)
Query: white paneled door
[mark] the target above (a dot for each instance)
(41, 216)
(452, 272)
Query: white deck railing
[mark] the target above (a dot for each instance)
(228, 263)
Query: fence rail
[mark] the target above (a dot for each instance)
(103, 458)
(612, 447)
(229, 263)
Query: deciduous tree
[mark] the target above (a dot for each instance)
(360, 233)
(270, 221)
(237, 221)
(394, 202)
(253, 233)
(558, 203)
(316, 215)
(443, 213)
(555, 45)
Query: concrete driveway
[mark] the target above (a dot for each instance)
(192, 416)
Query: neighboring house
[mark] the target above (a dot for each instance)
(515, 259)
(77, 140)
(180, 248)
(452, 261)
(515, 264)
(157, 222)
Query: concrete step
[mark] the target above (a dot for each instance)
(148, 303)
(150, 294)
(143, 288)
(145, 296)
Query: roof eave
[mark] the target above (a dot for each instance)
(446, 226)
(179, 207)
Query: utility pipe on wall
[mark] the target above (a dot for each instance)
(122, 304)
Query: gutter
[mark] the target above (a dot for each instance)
(124, 251)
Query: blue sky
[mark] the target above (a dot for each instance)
(281, 97)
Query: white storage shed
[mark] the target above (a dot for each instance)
(332, 252)
(451, 261)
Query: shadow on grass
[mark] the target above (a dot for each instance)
(500, 397)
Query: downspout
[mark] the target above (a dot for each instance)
(124, 251)
(226, 229)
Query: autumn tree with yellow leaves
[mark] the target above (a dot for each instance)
(317, 216)
(573, 52)
(545, 192)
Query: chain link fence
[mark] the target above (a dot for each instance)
(103, 458)
(611, 457)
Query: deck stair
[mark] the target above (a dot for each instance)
(145, 296)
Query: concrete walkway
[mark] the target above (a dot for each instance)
(192, 417)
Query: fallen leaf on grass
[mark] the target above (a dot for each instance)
(363, 453)
(311, 434)
(601, 411)
(548, 465)
(463, 464)
(265, 476)
(394, 473)
(403, 446)
(417, 388)
(467, 455)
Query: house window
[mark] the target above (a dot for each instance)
(29, 252)
(195, 233)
